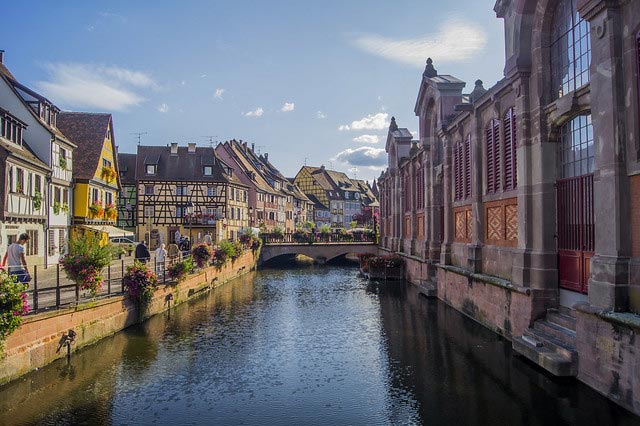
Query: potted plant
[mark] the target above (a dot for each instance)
(110, 211)
(202, 253)
(37, 200)
(63, 163)
(85, 261)
(140, 283)
(179, 270)
(108, 173)
(56, 207)
(13, 304)
(96, 210)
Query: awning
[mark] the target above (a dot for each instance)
(111, 231)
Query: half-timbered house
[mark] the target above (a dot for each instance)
(127, 209)
(189, 190)
(47, 142)
(97, 181)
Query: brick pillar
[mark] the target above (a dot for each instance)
(609, 281)
(447, 199)
(474, 250)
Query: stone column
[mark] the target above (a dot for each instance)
(609, 281)
(435, 202)
(447, 202)
(474, 250)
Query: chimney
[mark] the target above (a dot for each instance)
(322, 167)
(245, 146)
(174, 148)
(1, 56)
(191, 147)
(266, 156)
(253, 145)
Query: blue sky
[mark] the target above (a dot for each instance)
(302, 80)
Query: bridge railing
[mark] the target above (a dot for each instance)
(317, 238)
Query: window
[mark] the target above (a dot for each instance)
(208, 170)
(151, 169)
(95, 195)
(65, 196)
(510, 152)
(420, 188)
(108, 198)
(181, 211)
(38, 187)
(570, 49)
(51, 244)
(32, 245)
(56, 195)
(19, 180)
(493, 156)
(181, 190)
(62, 241)
(148, 190)
(149, 211)
(106, 163)
(576, 137)
(211, 191)
(232, 193)
(462, 169)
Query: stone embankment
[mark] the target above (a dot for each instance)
(38, 340)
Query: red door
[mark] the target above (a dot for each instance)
(575, 231)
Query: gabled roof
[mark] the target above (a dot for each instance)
(127, 164)
(319, 174)
(22, 152)
(248, 165)
(87, 131)
(367, 196)
(184, 166)
(316, 203)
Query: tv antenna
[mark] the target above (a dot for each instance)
(305, 160)
(260, 146)
(355, 172)
(211, 140)
(139, 135)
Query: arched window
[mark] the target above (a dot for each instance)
(570, 49)
(576, 137)
(462, 169)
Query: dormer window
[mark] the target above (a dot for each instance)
(152, 169)
(10, 127)
(208, 170)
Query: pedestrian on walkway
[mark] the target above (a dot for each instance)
(161, 257)
(142, 252)
(16, 261)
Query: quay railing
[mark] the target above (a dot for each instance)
(318, 238)
(50, 289)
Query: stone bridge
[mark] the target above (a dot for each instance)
(319, 252)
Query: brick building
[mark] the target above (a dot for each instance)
(520, 203)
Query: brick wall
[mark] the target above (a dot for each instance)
(35, 343)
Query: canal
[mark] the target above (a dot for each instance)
(304, 346)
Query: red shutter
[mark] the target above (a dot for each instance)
(467, 167)
(496, 155)
(509, 128)
(457, 171)
(491, 173)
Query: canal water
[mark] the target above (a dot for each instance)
(305, 346)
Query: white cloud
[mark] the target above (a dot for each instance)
(288, 107)
(321, 115)
(370, 122)
(369, 139)
(364, 156)
(456, 40)
(218, 94)
(93, 86)
(255, 113)
(163, 108)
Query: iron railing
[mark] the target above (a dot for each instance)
(50, 288)
(318, 238)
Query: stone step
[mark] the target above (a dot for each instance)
(551, 343)
(563, 320)
(558, 332)
(556, 363)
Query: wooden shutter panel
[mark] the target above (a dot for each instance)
(491, 173)
(457, 173)
(467, 167)
(509, 128)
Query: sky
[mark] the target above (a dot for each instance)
(306, 82)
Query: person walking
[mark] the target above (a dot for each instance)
(142, 252)
(161, 257)
(16, 261)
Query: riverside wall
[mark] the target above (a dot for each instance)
(37, 342)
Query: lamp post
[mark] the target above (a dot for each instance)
(190, 213)
(250, 216)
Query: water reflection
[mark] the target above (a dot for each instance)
(303, 346)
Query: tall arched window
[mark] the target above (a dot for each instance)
(570, 49)
(493, 156)
(462, 169)
(576, 138)
(510, 157)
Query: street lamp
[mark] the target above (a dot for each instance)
(190, 213)
(250, 216)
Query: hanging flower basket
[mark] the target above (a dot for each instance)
(96, 210)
